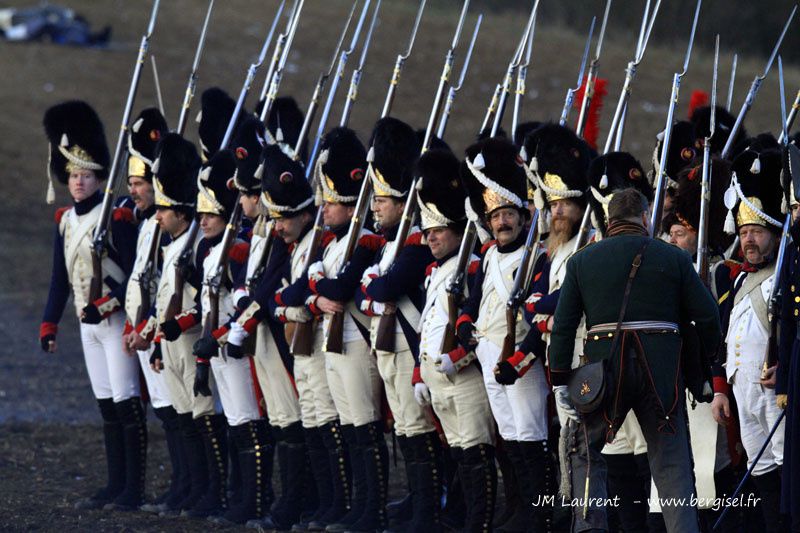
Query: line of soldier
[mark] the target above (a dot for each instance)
(231, 407)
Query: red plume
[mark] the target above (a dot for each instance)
(699, 99)
(592, 125)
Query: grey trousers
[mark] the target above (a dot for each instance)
(668, 453)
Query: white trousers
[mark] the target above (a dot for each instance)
(179, 370)
(316, 402)
(520, 410)
(156, 387)
(461, 404)
(354, 383)
(757, 414)
(112, 372)
(277, 385)
(236, 391)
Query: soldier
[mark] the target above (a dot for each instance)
(351, 368)
(497, 188)
(457, 393)
(290, 202)
(396, 288)
(757, 211)
(79, 158)
(173, 322)
(146, 131)
(632, 291)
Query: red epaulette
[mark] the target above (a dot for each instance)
(123, 214)
(239, 252)
(60, 213)
(487, 245)
(371, 242)
(473, 266)
(327, 237)
(429, 269)
(414, 239)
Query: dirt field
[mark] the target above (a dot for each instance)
(49, 433)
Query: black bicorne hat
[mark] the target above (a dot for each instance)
(441, 193)
(494, 176)
(395, 149)
(77, 140)
(175, 173)
(145, 133)
(609, 173)
(285, 190)
(216, 193)
(341, 166)
(216, 109)
(247, 147)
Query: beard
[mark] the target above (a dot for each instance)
(562, 229)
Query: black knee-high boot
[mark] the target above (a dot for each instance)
(513, 498)
(523, 516)
(423, 454)
(336, 450)
(539, 486)
(180, 481)
(479, 481)
(114, 441)
(195, 454)
(134, 429)
(361, 487)
(769, 489)
(295, 480)
(321, 474)
(214, 431)
(376, 462)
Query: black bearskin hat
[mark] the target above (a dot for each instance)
(77, 140)
(682, 151)
(285, 115)
(175, 173)
(341, 166)
(395, 148)
(523, 130)
(756, 188)
(248, 144)
(701, 118)
(285, 190)
(610, 173)
(441, 193)
(146, 131)
(494, 176)
(216, 193)
(216, 109)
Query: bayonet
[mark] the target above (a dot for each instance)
(355, 79)
(277, 75)
(591, 76)
(571, 92)
(733, 80)
(400, 62)
(157, 84)
(192, 84)
(661, 177)
(702, 264)
(451, 93)
(522, 75)
(278, 50)
(754, 87)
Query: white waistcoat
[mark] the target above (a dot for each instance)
(498, 280)
(332, 260)
(226, 309)
(166, 284)
(747, 337)
(133, 295)
(435, 314)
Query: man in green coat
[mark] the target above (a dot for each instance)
(643, 373)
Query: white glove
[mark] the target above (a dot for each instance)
(444, 364)
(297, 314)
(316, 271)
(378, 307)
(564, 403)
(422, 394)
(237, 334)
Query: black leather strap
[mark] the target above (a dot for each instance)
(637, 262)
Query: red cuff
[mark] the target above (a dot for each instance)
(416, 377)
(187, 321)
(720, 384)
(462, 319)
(279, 299)
(530, 307)
(219, 332)
(128, 328)
(542, 326)
(457, 354)
(312, 306)
(202, 361)
(312, 284)
(139, 327)
(47, 328)
(251, 325)
(516, 359)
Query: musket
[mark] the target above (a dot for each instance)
(146, 277)
(335, 331)
(491, 109)
(789, 121)
(279, 42)
(355, 79)
(661, 177)
(521, 286)
(277, 75)
(453, 90)
(617, 123)
(400, 62)
(100, 236)
(191, 85)
(732, 82)
(515, 62)
(702, 264)
(157, 84)
(320, 86)
(591, 76)
(754, 87)
(571, 92)
(771, 353)
(522, 75)
(385, 336)
(302, 341)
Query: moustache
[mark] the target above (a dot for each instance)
(505, 227)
